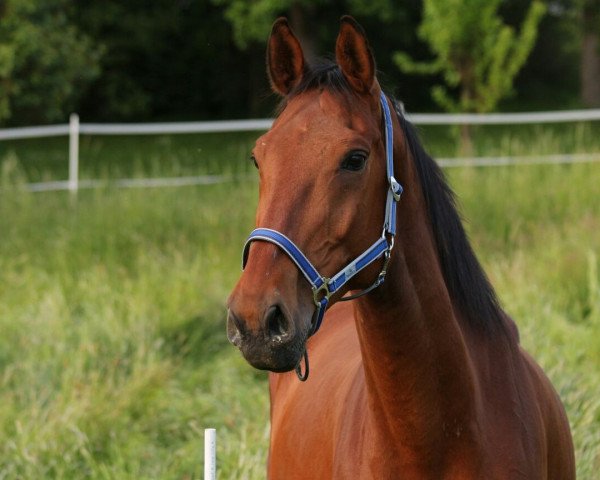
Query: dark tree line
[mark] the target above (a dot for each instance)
(111, 60)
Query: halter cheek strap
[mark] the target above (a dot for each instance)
(323, 288)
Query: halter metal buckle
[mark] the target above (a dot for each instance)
(323, 288)
(386, 262)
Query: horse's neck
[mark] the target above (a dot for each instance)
(417, 367)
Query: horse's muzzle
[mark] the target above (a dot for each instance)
(276, 345)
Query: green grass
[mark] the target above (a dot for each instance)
(113, 353)
(113, 356)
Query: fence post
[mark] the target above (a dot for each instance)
(73, 153)
(210, 444)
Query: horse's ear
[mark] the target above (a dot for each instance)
(285, 60)
(354, 56)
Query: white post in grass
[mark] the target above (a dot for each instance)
(73, 153)
(210, 447)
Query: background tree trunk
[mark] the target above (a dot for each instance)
(590, 55)
(298, 15)
(590, 70)
(466, 140)
(467, 97)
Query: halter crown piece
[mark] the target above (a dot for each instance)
(324, 287)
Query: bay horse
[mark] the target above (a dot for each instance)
(422, 375)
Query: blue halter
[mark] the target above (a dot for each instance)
(323, 288)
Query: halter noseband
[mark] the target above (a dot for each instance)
(323, 288)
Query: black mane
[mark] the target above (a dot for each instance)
(466, 281)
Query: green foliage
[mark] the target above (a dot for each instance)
(7, 60)
(589, 11)
(45, 61)
(474, 51)
(134, 47)
(166, 60)
(251, 21)
(111, 60)
(385, 10)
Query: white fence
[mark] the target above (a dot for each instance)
(74, 129)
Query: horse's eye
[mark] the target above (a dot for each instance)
(253, 159)
(355, 161)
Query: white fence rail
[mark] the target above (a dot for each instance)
(74, 129)
(504, 118)
(34, 132)
(176, 127)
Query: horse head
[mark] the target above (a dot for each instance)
(323, 185)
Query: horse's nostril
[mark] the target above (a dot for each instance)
(277, 324)
(233, 331)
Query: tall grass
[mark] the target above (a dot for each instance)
(113, 356)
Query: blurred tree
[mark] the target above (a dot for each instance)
(164, 59)
(45, 61)
(389, 25)
(137, 60)
(251, 21)
(550, 77)
(7, 59)
(564, 68)
(475, 51)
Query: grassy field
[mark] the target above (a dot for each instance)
(113, 356)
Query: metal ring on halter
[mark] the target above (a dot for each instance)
(298, 369)
(323, 288)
